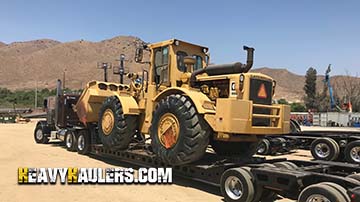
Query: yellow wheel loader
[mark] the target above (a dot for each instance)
(185, 105)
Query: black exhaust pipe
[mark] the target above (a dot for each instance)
(234, 68)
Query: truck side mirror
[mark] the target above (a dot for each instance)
(138, 55)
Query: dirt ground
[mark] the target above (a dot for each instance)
(19, 150)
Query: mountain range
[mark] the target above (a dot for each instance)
(38, 63)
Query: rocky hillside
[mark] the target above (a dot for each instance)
(23, 65)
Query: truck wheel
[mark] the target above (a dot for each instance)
(179, 135)
(321, 192)
(286, 164)
(70, 141)
(263, 147)
(354, 176)
(339, 188)
(243, 150)
(115, 129)
(236, 185)
(41, 134)
(83, 142)
(352, 152)
(263, 195)
(325, 149)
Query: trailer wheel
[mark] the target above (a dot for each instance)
(354, 176)
(325, 149)
(263, 195)
(179, 135)
(70, 141)
(236, 185)
(40, 133)
(83, 142)
(321, 192)
(264, 147)
(242, 150)
(339, 188)
(115, 129)
(286, 164)
(352, 152)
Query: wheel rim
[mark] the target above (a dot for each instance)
(355, 154)
(69, 141)
(168, 130)
(81, 142)
(39, 134)
(317, 198)
(107, 121)
(233, 187)
(322, 150)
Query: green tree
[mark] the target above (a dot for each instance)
(283, 101)
(297, 107)
(310, 89)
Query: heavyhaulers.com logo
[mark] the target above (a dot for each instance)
(94, 175)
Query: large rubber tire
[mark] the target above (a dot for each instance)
(261, 194)
(339, 188)
(352, 152)
(123, 128)
(286, 164)
(70, 141)
(41, 134)
(294, 127)
(230, 185)
(263, 147)
(322, 190)
(193, 132)
(243, 150)
(83, 143)
(325, 149)
(354, 176)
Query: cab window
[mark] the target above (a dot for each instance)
(198, 62)
(180, 60)
(161, 65)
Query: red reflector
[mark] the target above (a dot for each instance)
(262, 92)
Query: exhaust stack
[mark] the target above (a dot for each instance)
(234, 68)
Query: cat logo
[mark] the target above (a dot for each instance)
(262, 92)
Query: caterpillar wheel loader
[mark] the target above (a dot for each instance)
(185, 104)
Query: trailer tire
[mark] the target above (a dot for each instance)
(286, 164)
(179, 135)
(263, 195)
(339, 188)
(41, 133)
(264, 147)
(83, 142)
(323, 191)
(115, 129)
(325, 149)
(234, 179)
(70, 141)
(352, 152)
(354, 176)
(242, 150)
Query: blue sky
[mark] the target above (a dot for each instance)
(286, 34)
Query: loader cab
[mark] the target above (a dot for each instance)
(167, 61)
